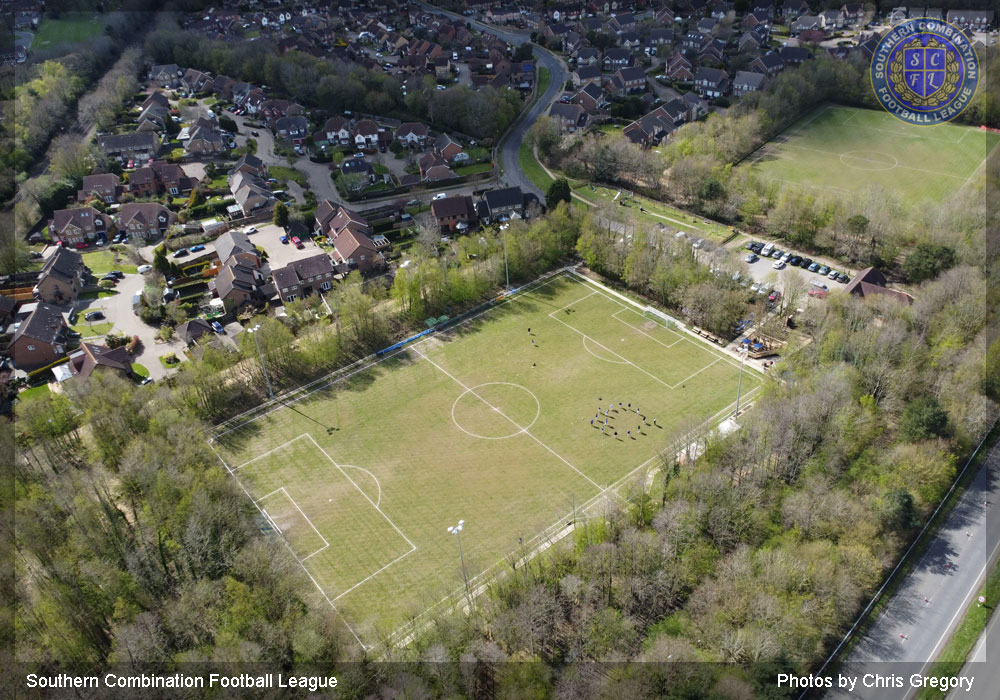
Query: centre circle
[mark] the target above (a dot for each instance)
(495, 410)
(868, 160)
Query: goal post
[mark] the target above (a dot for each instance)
(660, 317)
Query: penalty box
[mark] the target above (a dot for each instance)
(328, 514)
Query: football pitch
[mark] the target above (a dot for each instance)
(845, 149)
(487, 423)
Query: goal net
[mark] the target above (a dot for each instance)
(660, 317)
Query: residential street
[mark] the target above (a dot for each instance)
(931, 600)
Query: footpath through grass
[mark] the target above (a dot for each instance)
(966, 635)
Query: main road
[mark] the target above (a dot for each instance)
(929, 603)
(558, 75)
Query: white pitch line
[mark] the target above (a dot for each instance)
(520, 428)
(302, 513)
(371, 576)
(312, 578)
(378, 484)
(323, 548)
(361, 491)
(592, 293)
(269, 452)
(636, 328)
(262, 498)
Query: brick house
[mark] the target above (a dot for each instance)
(139, 145)
(711, 82)
(159, 177)
(504, 203)
(304, 277)
(568, 117)
(359, 250)
(365, 134)
(62, 278)
(80, 225)
(748, 81)
(412, 134)
(106, 187)
(147, 220)
(455, 212)
(40, 339)
(238, 285)
(90, 358)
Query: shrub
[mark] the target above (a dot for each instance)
(923, 418)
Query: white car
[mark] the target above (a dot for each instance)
(143, 269)
(250, 229)
(439, 195)
(779, 265)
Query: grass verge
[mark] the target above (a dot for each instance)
(140, 370)
(531, 167)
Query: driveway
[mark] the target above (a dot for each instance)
(118, 310)
(280, 254)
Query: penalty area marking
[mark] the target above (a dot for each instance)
(291, 500)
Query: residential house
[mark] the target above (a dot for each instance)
(756, 19)
(238, 285)
(650, 129)
(337, 131)
(332, 220)
(505, 203)
(456, 212)
(769, 64)
(853, 12)
(450, 149)
(711, 82)
(706, 26)
(794, 55)
(805, 23)
(748, 81)
(588, 56)
(585, 75)
(251, 195)
(661, 36)
(80, 225)
(618, 58)
(678, 67)
(360, 172)
(40, 339)
(358, 250)
(251, 165)
(768, 6)
(622, 23)
(106, 187)
(569, 117)
(62, 278)
(412, 134)
(194, 80)
(632, 79)
(90, 358)
(153, 118)
(870, 282)
(191, 331)
(295, 129)
(236, 245)
(205, 138)
(591, 98)
(165, 75)
(155, 98)
(695, 41)
(976, 20)
(664, 15)
(147, 220)
(159, 177)
(832, 20)
(365, 134)
(304, 277)
(139, 145)
(792, 9)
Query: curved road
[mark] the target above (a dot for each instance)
(558, 75)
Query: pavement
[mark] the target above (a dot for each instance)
(986, 674)
(919, 619)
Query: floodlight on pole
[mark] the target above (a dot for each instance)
(457, 531)
(253, 331)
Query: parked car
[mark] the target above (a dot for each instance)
(774, 295)
(283, 239)
(813, 267)
(217, 327)
(843, 279)
(795, 260)
(118, 274)
(93, 316)
(143, 269)
(81, 244)
(297, 242)
(833, 275)
(786, 257)
(752, 257)
(196, 248)
(109, 277)
(777, 253)
(35, 255)
(779, 265)
(823, 270)
(413, 203)
(255, 133)
(805, 262)
(250, 229)
(439, 195)
(146, 380)
(180, 253)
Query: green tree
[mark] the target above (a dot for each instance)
(281, 215)
(927, 261)
(923, 418)
(226, 123)
(160, 262)
(559, 191)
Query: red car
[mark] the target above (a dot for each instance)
(81, 244)
(297, 241)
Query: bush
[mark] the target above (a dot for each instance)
(169, 359)
(115, 340)
(927, 261)
(923, 418)
(134, 345)
(106, 284)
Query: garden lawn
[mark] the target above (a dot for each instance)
(101, 262)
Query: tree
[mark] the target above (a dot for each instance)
(991, 371)
(160, 262)
(927, 261)
(226, 123)
(559, 191)
(923, 418)
(281, 215)
(71, 158)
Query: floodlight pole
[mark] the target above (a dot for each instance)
(253, 332)
(457, 531)
(506, 269)
(739, 384)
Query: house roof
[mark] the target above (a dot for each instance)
(569, 112)
(190, 331)
(232, 242)
(64, 264)
(300, 270)
(44, 324)
(117, 142)
(749, 78)
(366, 127)
(871, 281)
(91, 356)
(415, 128)
(439, 172)
(506, 197)
(588, 72)
(456, 205)
(351, 243)
(100, 182)
(358, 166)
(144, 212)
(81, 217)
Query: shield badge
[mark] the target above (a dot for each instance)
(924, 69)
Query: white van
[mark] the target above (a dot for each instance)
(766, 251)
(819, 285)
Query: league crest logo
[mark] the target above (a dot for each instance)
(925, 71)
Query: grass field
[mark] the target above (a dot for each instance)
(846, 149)
(72, 28)
(532, 168)
(101, 262)
(363, 476)
(655, 213)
